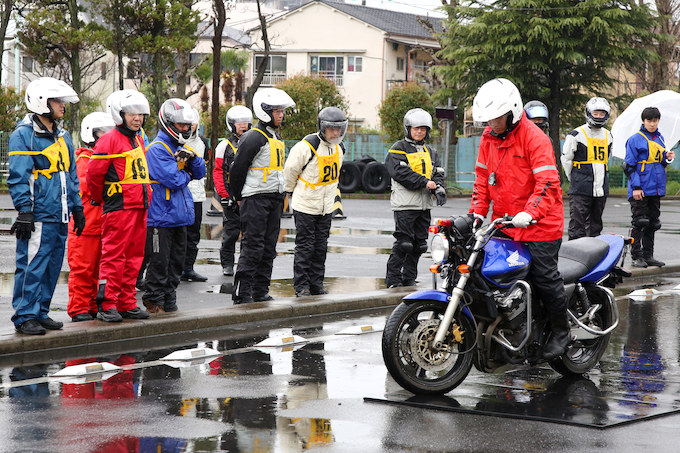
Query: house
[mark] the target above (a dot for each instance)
(363, 50)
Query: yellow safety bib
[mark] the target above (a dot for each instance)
(420, 162)
(329, 168)
(56, 154)
(180, 165)
(277, 157)
(655, 153)
(136, 168)
(597, 151)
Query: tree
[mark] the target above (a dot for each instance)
(262, 67)
(55, 36)
(12, 103)
(399, 100)
(311, 94)
(5, 13)
(559, 51)
(152, 33)
(218, 26)
(659, 74)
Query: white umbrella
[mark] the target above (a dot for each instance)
(629, 122)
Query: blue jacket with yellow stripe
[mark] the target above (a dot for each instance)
(171, 203)
(644, 170)
(43, 175)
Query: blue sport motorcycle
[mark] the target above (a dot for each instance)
(486, 316)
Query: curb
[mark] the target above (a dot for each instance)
(89, 333)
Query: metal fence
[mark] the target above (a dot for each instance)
(460, 165)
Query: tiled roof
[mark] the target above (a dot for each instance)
(392, 22)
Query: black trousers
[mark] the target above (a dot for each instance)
(231, 229)
(165, 249)
(644, 224)
(410, 232)
(311, 246)
(193, 237)
(585, 215)
(545, 277)
(260, 228)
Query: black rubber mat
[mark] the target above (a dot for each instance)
(576, 402)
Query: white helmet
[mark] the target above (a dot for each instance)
(238, 114)
(44, 88)
(417, 118)
(496, 98)
(126, 101)
(597, 104)
(267, 99)
(197, 122)
(93, 123)
(176, 111)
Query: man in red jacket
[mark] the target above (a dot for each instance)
(118, 179)
(516, 171)
(84, 250)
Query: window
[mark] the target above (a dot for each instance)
(275, 70)
(400, 64)
(355, 64)
(27, 63)
(330, 68)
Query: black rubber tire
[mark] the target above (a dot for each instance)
(583, 355)
(350, 177)
(375, 179)
(398, 333)
(361, 164)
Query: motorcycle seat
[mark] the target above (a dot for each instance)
(578, 257)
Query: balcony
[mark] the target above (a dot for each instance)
(270, 80)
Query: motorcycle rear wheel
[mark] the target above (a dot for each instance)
(583, 355)
(409, 331)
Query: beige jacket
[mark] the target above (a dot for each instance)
(301, 176)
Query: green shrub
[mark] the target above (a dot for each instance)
(399, 100)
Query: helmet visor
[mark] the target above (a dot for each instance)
(333, 131)
(537, 111)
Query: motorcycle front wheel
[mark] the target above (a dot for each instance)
(582, 355)
(406, 341)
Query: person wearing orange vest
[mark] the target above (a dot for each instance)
(585, 155)
(43, 184)
(85, 250)
(645, 166)
(256, 182)
(118, 179)
(311, 173)
(171, 166)
(239, 120)
(417, 181)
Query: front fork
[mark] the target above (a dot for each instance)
(456, 296)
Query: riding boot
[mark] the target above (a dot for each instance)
(559, 338)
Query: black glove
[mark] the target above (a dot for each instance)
(78, 221)
(476, 220)
(23, 226)
(185, 155)
(440, 193)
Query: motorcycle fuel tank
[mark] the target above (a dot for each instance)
(505, 261)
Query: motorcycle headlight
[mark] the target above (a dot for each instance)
(439, 248)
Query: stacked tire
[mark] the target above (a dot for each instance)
(365, 173)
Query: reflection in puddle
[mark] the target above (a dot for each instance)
(7, 282)
(214, 232)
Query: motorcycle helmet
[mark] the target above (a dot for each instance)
(537, 110)
(92, 124)
(176, 111)
(332, 117)
(39, 91)
(267, 99)
(126, 101)
(593, 104)
(496, 98)
(417, 118)
(238, 114)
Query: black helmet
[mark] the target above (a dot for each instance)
(332, 117)
(536, 110)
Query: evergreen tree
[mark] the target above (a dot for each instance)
(559, 51)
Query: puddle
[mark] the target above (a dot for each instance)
(335, 285)
(7, 282)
